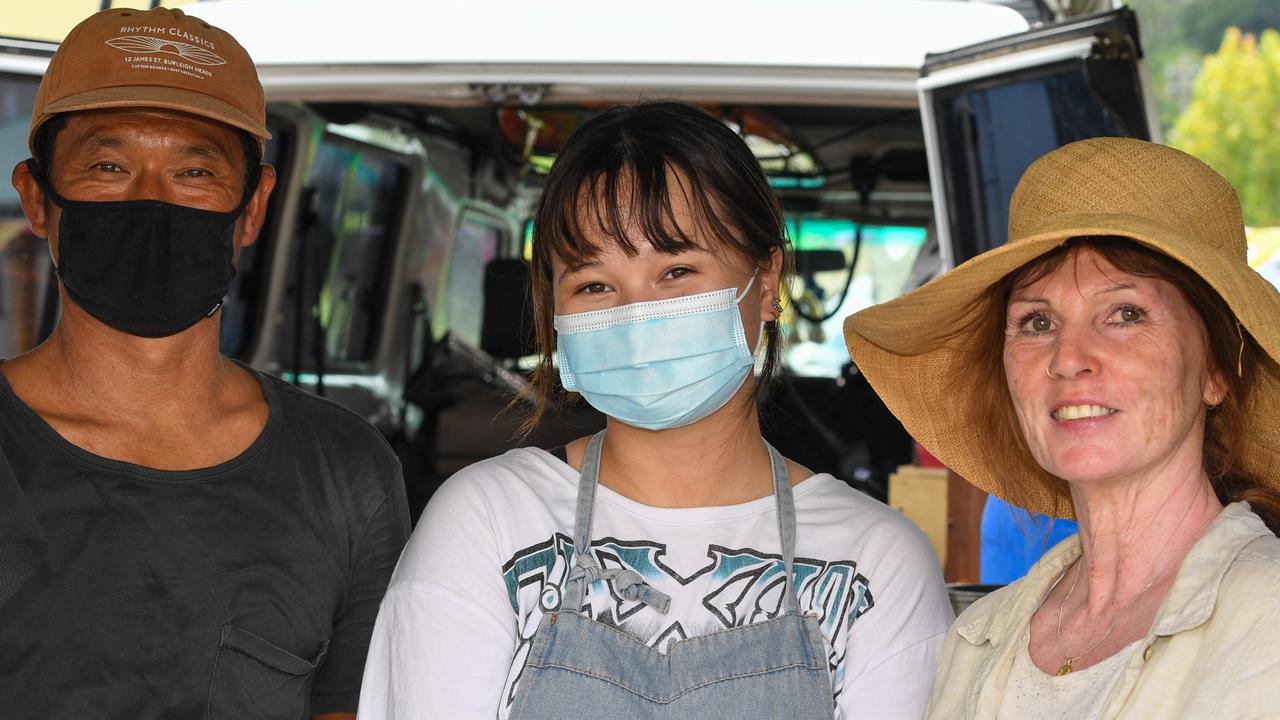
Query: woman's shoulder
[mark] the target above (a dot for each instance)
(997, 614)
(992, 605)
(1263, 551)
(485, 507)
(494, 490)
(829, 498)
(845, 517)
(1243, 617)
(1239, 554)
(1255, 569)
(509, 475)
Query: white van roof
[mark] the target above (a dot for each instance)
(438, 51)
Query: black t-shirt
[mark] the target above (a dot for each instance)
(244, 590)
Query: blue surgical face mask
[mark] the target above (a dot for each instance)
(658, 364)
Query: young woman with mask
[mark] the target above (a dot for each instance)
(673, 565)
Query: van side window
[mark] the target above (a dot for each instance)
(824, 248)
(28, 293)
(346, 240)
(992, 129)
(477, 241)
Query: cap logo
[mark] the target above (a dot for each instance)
(147, 44)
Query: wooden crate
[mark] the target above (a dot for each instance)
(920, 493)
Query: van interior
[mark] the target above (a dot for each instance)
(854, 185)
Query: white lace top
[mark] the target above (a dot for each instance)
(1033, 695)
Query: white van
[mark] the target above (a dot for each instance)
(412, 139)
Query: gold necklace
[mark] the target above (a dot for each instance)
(1067, 668)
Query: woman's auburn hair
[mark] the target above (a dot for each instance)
(1232, 353)
(615, 179)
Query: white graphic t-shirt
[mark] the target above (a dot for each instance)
(495, 545)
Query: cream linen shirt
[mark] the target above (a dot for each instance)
(1213, 650)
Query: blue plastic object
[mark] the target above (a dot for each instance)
(1013, 539)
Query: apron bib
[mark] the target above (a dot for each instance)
(579, 668)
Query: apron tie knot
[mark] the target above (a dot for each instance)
(626, 582)
(631, 586)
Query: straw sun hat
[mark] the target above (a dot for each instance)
(913, 349)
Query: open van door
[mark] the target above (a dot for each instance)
(989, 110)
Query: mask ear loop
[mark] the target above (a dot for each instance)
(747, 289)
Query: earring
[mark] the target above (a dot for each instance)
(777, 306)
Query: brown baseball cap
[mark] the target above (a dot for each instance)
(161, 58)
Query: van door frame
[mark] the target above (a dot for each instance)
(487, 214)
(1012, 56)
(379, 372)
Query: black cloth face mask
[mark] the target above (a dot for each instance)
(145, 267)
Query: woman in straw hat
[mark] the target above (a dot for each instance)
(1115, 361)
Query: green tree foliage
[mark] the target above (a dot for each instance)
(1198, 24)
(1176, 34)
(1233, 120)
(1204, 22)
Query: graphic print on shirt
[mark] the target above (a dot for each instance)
(736, 587)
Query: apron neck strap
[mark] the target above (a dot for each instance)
(786, 508)
(585, 568)
(576, 590)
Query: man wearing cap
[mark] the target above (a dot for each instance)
(212, 542)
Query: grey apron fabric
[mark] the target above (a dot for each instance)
(579, 668)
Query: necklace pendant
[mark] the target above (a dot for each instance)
(1066, 669)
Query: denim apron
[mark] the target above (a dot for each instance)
(580, 668)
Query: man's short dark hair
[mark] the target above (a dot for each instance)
(42, 144)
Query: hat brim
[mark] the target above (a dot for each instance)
(149, 96)
(913, 351)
